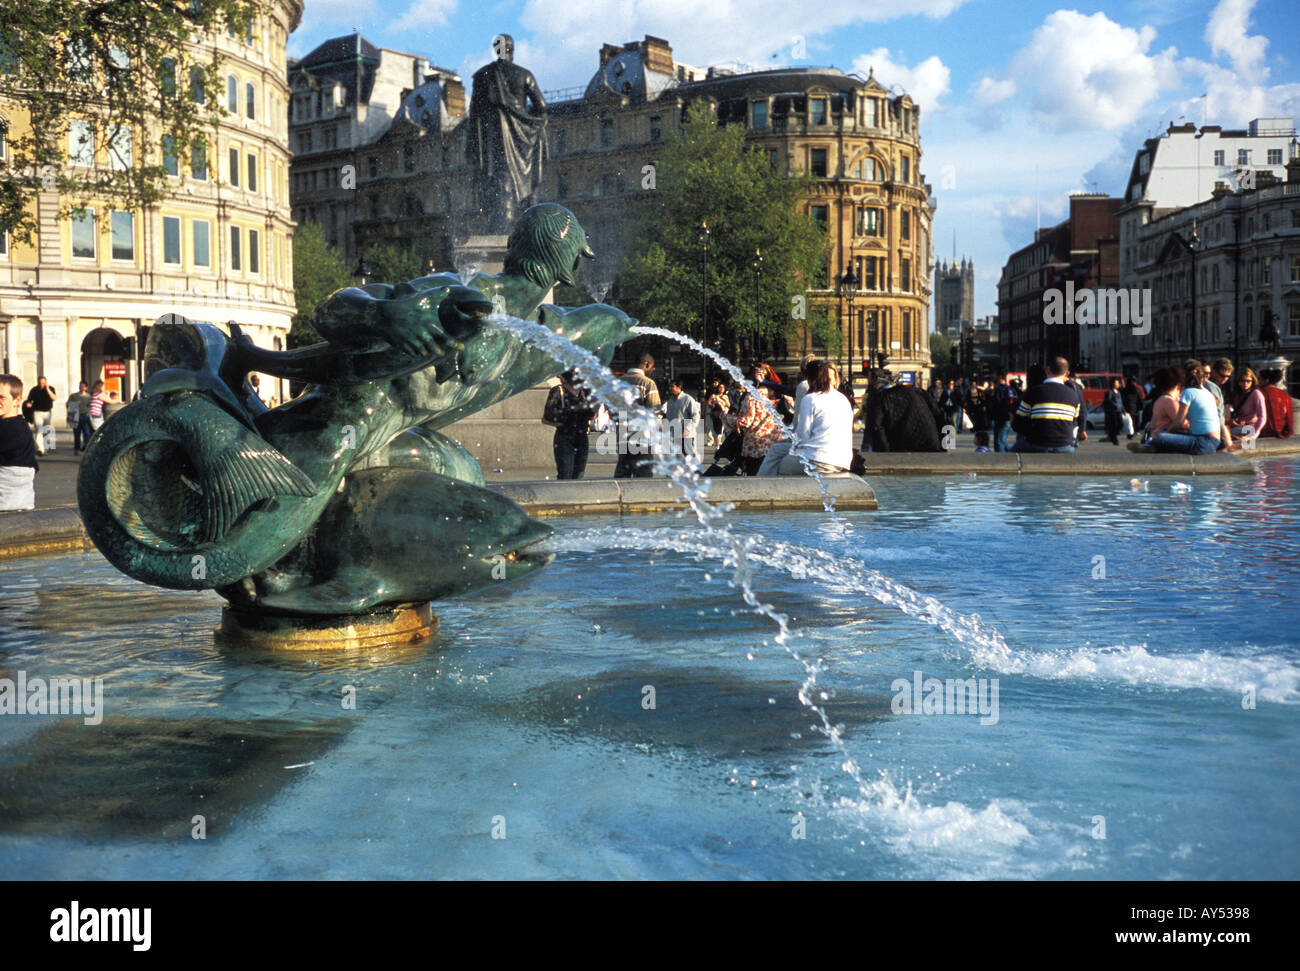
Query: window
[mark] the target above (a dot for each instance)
(374, 208)
(172, 240)
(656, 129)
(119, 148)
(905, 274)
(408, 157)
(169, 160)
(562, 185)
(817, 114)
(372, 166)
(122, 231)
(81, 143)
(869, 222)
(817, 162)
(867, 169)
(304, 141)
(79, 64)
(202, 233)
(562, 140)
(1295, 269)
(167, 78)
(232, 94)
(867, 274)
(1218, 157)
(250, 100)
(1266, 271)
(1294, 326)
(234, 248)
(905, 168)
(606, 131)
(905, 226)
(199, 159)
(254, 255)
(197, 94)
(1243, 156)
(252, 172)
(1275, 156)
(821, 214)
(1295, 218)
(772, 158)
(83, 235)
(234, 167)
(4, 245)
(873, 112)
(1265, 220)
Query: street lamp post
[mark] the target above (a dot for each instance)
(848, 290)
(362, 272)
(704, 291)
(758, 310)
(1194, 245)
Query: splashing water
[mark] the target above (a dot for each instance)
(467, 272)
(828, 501)
(741, 554)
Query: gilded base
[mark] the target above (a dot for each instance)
(402, 626)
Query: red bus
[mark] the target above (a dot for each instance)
(1095, 384)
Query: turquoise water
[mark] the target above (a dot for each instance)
(523, 743)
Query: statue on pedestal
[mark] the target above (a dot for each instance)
(507, 126)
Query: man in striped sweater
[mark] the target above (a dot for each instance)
(1049, 413)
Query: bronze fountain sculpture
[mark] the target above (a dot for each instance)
(345, 508)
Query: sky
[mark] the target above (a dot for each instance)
(1021, 104)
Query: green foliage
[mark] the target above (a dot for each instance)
(943, 362)
(708, 173)
(394, 263)
(318, 270)
(119, 65)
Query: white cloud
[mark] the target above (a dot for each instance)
(763, 33)
(926, 83)
(424, 15)
(1090, 72)
(1226, 34)
(991, 91)
(337, 13)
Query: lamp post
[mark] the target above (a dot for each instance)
(757, 264)
(704, 290)
(848, 290)
(362, 273)
(1193, 245)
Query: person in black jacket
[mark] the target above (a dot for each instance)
(1114, 407)
(17, 450)
(951, 404)
(1000, 406)
(903, 418)
(1133, 396)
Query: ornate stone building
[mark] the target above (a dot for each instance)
(75, 301)
(860, 141)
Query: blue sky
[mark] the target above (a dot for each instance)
(1019, 102)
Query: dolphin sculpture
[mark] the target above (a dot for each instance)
(347, 498)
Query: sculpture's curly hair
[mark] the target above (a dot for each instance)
(546, 245)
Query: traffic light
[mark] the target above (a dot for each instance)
(129, 351)
(883, 358)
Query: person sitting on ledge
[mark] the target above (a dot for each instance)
(1198, 414)
(1049, 414)
(1249, 411)
(17, 450)
(1280, 422)
(1166, 386)
(823, 428)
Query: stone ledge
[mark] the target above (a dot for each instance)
(42, 532)
(1088, 462)
(636, 496)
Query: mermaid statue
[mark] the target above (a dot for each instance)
(347, 499)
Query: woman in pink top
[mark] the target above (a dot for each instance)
(1250, 410)
(1167, 387)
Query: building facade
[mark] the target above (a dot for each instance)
(1218, 272)
(75, 302)
(1081, 253)
(954, 296)
(860, 142)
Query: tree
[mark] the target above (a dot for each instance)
(130, 69)
(941, 358)
(318, 270)
(707, 173)
(394, 263)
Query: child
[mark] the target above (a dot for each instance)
(982, 442)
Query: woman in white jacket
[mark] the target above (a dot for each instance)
(823, 429)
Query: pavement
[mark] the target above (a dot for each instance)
(56, 526)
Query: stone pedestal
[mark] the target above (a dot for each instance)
(486, 253)
(1279, 362)
(509, 435)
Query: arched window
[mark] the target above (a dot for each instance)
(250, 96)
(232, 94)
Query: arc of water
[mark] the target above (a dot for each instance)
(828, 501)
(684, 472)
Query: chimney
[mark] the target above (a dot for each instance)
(657, 54)
(418, 70)
(453, 96)
(609, 51)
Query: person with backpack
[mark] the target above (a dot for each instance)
(638, 465)
(569, 411)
